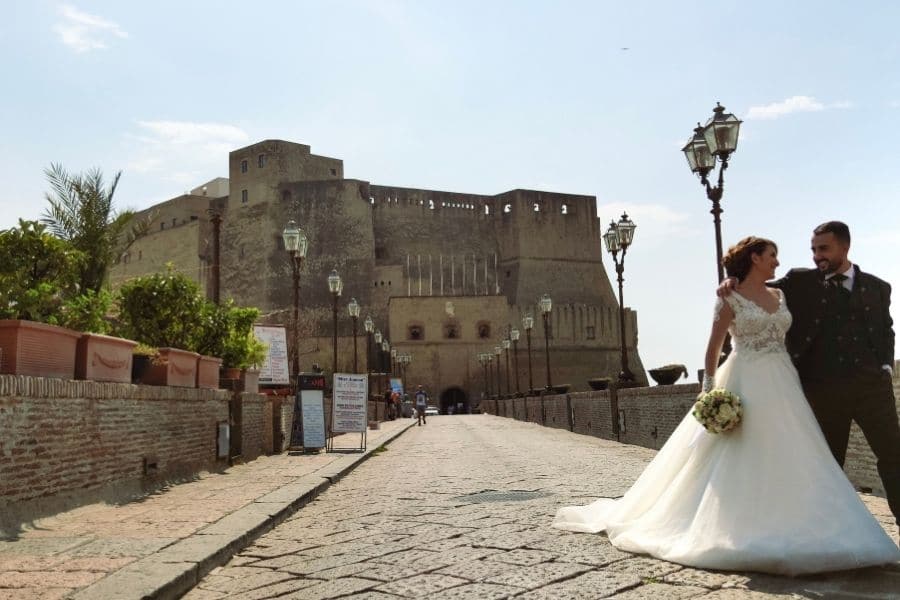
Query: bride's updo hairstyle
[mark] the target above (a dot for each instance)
(739, 259)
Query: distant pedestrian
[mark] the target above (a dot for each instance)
(388, 406)
(421, 405)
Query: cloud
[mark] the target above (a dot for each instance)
(182, 152)
(84, 32)
(656, 223)
(794, 104)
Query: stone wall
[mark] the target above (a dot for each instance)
(69, 438)
(647, 416)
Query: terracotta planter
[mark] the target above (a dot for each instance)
(104, 358)
(173, 367)
(37, 349)
(208, 372)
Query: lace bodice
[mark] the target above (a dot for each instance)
(755, 330)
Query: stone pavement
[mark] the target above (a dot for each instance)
(460, 509)
(158, 545)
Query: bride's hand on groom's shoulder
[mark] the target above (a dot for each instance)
(726, 287)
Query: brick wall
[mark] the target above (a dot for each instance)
(591, 414)
(649, 415)
(256, 422)
(59, 436)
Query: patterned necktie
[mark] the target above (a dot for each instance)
(837, 282)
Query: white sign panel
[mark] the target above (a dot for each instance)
(313, 418)
(274, 369)
(349, 411)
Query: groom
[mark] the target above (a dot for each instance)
(842, 343)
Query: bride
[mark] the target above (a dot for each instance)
(767, 496)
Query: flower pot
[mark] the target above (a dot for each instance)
(599, 383)
(173, 367)
(104, 358)
(667, 375)
(562, 388)
(208, 372)
(37, 349)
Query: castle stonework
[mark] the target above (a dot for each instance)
(403, 254)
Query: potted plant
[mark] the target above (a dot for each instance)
(36, 272)
(668, 374)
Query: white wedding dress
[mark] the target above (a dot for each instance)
(767, 496)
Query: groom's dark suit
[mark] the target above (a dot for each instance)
(840, 341)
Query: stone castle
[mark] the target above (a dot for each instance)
(404, 254)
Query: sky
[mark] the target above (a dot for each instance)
(484, 96)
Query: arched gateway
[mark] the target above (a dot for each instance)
(454, 401)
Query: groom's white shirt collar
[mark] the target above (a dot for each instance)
(850, 274)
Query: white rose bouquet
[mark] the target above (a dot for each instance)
(718, 410)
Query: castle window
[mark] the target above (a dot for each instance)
(507, 208)
(334, 171)
(242, 251)
(589, 332)
(244, 166)
(487, 209)
(140, 254)
(484, 330)
(537, 207)
(243, 196)
(451, 329)
(261, 161)
(431, 204)
(380, 252)
(174, 222)
(286, 196)
(162, 225)
(371, 199)
(126, 258)
(415, 332)
(193, 217)
(564, 209)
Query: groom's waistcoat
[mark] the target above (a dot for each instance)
(836, 335)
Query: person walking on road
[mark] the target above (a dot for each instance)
(421, 405)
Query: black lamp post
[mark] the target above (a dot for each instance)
(715, 140)
(377, 356)
(385, 356)
(296, 243)
(546, 306)
(353, 309)
(394, 362)
(488, 358)
(619, 237)
(514, 336)
(497, 351)
(528, 323)
(369, 326)
(506, 344)
(482, 360)
(335, 286)
(215, 217)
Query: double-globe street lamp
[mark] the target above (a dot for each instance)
(619, 237)
(369, 326)
(546, 305)
(715, 140)
(514, 336)
(528, 324)
(505, 344)
(335, 286)
(353, 309)
(497, 351)
(296, 243)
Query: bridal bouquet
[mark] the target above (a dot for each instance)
(718, 410)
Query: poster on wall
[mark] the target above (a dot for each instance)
(397, 385)
(274, 370)
(349, 409)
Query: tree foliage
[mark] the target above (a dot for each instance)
(82, 213)
(38, 272)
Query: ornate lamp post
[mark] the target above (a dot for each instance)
(377, 357)
(335, 286)
(353, 309)
(514, 336)
(715, 140)
(385, 356)
(546, 306)
(369, 326)
(528, 323)
(394, 362)
(619, 237)
(497, 351)
(296, 243)
(506, 344)
(482, 360)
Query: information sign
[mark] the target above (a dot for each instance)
(274, 370)
(349, 407)
(308, 427)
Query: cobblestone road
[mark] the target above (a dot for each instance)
(404, 525)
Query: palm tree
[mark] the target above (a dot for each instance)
(82, 213)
